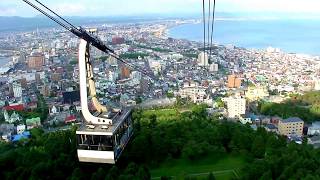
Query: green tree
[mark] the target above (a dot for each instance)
(220, 103)
(211, 176)
(143, 173)
(153, 120)
(77, 174)
(165, 178)
(258, 147)
(2, 120)
(100, 174)
(266, 176)
(170, 95)
(138, 100)
(73, 62)
(113, 173)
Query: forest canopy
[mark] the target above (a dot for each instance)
(189, 135)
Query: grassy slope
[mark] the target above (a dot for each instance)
(223, 168)
(162, 114)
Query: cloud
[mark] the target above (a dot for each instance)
(285, 6)
(133, 7)
(69, 8)
(7, 11)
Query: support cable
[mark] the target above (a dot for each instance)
(208, 34)
(204, 26)
(212, 25)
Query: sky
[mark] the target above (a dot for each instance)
(165, 7)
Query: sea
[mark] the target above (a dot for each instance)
(4, 61)
(291, 36)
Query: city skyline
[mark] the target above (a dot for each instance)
(164, 7)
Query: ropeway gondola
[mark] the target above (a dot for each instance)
(102, 136)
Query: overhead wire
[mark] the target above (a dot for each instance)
(208, 34)
(204, 26)
(212, 26)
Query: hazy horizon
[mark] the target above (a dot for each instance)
(99, 8)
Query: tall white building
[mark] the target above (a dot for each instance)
(317, 85)
(112, 76)
(203, 59)
(17, 90)
(155, 65)
(136, 75)
(6, 115)
(236, 106)
(214, 67)
(135, 78)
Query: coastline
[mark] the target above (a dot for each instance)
(6, 62)
(303, 45)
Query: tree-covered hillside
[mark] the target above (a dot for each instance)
(190, 137)
(306, 106)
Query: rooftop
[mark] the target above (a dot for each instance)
(103, 129)
(18, 137)
(271, 126)
(291, 120)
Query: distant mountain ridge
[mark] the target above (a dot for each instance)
(15, 23)
(20, 23)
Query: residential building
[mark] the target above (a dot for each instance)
(271, 128)
(45, 90)
(53, 110)
(21, 128)
(155, 65)
(314, 129)
(70, 119)
(234, 81)
(291, 127)
(214, 67)
(245, 120)
(17, 89)
(136, 75)
(14, 107)
(6, 131)
(236, 106)
(35, 61)
(314, 141)
(15, 117)
(24, 83)
(317, 85)
(6, 115)
(195, 92)
(56, 77)
(33, 122)
(256, 92)
(203, 59)
(23, 135)
(117, 40)
(112, 76)
(125, 72)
